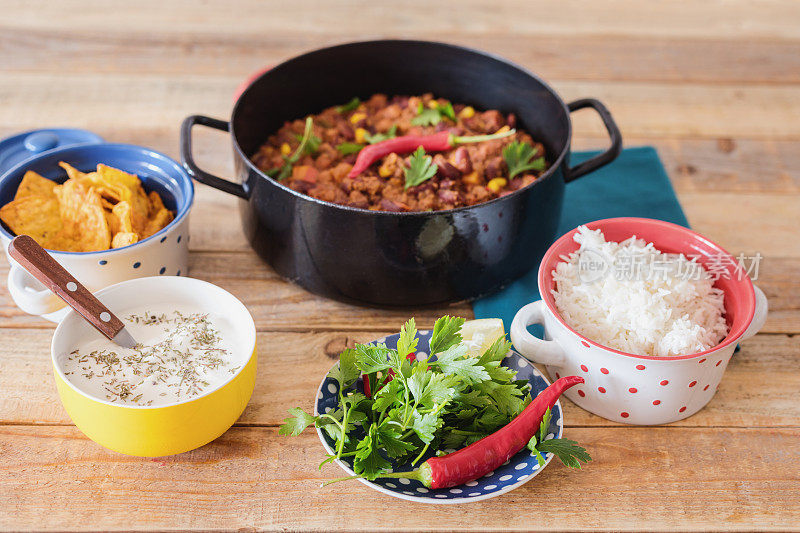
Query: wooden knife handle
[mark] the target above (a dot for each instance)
(47, 270)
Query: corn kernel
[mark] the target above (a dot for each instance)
(357, 117)
(433, 104)
(361, 135)
(496, 184)
(471, 178)
(384, 171)
(467, 112)
(503, 130)
(286, 149)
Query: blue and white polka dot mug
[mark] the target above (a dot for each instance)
(165, 253)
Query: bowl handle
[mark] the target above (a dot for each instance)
(192, 169)
(532, 348)
(30, 295)
(604, 158)
(760, 316)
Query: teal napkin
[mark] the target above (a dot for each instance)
(634, 185)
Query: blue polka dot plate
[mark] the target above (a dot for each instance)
(514, 473)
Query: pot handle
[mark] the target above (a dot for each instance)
(604, 158)
(534, 349)
(193, 170)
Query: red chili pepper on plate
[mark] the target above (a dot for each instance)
(490, 452)
(437, 142)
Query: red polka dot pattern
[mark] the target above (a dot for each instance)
(665, 382)
(583, 367)
(602, 390)
(604, 370)
(623, 414)
(701, 361)
(656, 402)
(682, 409)
(692, 384)
(632, 390)
(705, 388)
(581, 393)
(585, 343)
(639, 367)
(719, 362)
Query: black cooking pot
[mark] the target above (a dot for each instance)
(398, 259)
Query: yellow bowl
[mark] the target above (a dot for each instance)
(168, 429)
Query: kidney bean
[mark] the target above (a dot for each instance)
(462, 161)
(303, 185)
(446, 170)
(511, 120)
(492, 169)
(345, 131)
(389, 205)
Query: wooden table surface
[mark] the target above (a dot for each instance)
(715, 86)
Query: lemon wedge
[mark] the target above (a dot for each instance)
(480, 334)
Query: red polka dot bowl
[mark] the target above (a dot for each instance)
(630, 388)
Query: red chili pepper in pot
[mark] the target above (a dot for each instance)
(490, 452)
(438, 142)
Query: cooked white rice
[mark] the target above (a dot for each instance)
(645, 302)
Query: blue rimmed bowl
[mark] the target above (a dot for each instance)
(164, 253)
(514, 473)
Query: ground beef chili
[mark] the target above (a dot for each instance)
(467, 174)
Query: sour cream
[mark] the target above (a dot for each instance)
(183, 353)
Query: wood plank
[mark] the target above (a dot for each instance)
(291, 366)
(277, 305)
(640, 108)
(748, 223)
(640, 479)
(568, 57)
(773, 20)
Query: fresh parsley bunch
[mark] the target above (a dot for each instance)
(446, 401)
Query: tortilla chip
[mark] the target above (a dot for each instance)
(115, 186)
(156, 204)
(159, 221)
(133, 194)
(33, 184)
(110, 192)
(123, 213)
(83, 216)
(36, 216)
(72, 172)
(124, 238)
(114, 175)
